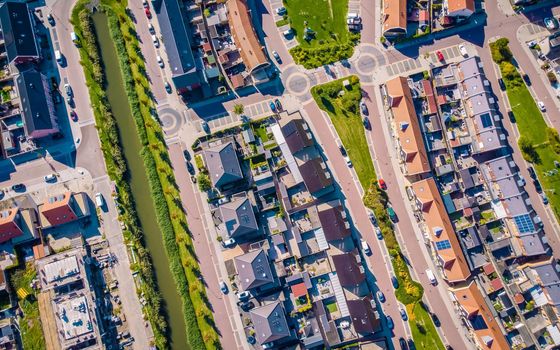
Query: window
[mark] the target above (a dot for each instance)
(442, 245)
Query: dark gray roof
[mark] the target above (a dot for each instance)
(467, 178)
(550, 280)
(297, 135)
(177, 38)
(348, 269)
(333, 224)
(314, 176)
(270, 323)
(36, 101)
(238, 217)
(253, 269)
(363, 315)
(223, 165)
(17, 28)
(533, 244)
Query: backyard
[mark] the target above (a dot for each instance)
(321, 31)
(344, 112)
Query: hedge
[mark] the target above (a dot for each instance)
(117, 167)
(325, 54)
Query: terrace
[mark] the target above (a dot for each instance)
(316, 265)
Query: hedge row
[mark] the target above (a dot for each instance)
(201, 331)
(117, 167)
(324, 54)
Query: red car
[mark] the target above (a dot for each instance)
(147, 12)
(382, 184)
(74, 116)
(440, 56)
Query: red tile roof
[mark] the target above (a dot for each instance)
(57, 210)
(9, 226)
(299, 290)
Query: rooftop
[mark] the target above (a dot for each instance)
(17, 30)
(223, 164)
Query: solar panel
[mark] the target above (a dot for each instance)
(524, 223)
(441, 245)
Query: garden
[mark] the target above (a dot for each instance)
(321, 30)
(539, 143)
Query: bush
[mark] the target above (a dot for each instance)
(528, 150)
(204, 183)
(325, 53)
(553, 139)
(511, 76)
(500, 50)
(552, 77)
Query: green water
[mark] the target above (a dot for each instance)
(139, 185)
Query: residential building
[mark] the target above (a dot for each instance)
(8, 339)
(36, 105)
(364, 316)
(394, 18)
(238, 218)
(270, 324)
(18, 33)
(253, 270)
(334, 222)
(409, 134)
(63, 208)
(458, 8)
(16, 222)
(316, 177)
(297, 135)
(479, 319)
(222, 164)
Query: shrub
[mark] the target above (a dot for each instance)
(204, 183)
(552, 77)
(500, 50)
(553, 139)
(528, 150)
(510, 74)
(326, 53)
(238, 109)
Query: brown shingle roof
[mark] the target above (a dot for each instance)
(332, 221)
(349, 271)
(408, 128)
(315, 175)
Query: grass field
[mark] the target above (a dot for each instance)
(423, 330)
(324, 17)
(345, 116)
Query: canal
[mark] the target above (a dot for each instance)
(139, 184)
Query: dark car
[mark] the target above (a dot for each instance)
(342, 151)
(404, 316)
(190, 168)
(538, 186)
(411, 345)
(390, 323)
(532, 173)
(74, 116)
(50, 18)
(526, 79)
(246, 306)
(18, 187)
(402, 343)
(502, 84)
(187, 155)
(435, 319)
(395, 282)
(272, 106)
(367, 124)
(278, 104)
(167, 87)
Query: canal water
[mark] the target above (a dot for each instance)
(139, 184)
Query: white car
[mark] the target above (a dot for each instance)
(365, 247)
(99, 200)
(50, 178)
(288, 32)
(151, 28)
(229, 242)
(281, 11)
(463, 50)
(155, 40)
(541, 105)
(159, 61)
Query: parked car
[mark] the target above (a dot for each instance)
(68, 90)
(532, 44)
(380, 296)
(205, 126)
(151, 28)
(276, 56)
(502, 84)
(155, 41)
(402, 343)
(281, 11)
(541, 105)
(145, 4)
(223, 200)
(551, 23)
(463, 50)
(18, 187)
(244, 296)
(272, 106)
(159, 61)
(372, 217)
(278, 105)
(379, 233)
(392, 214)
(394, 282)
(70, 101)
(365, 247)
(366, 123)
(532, 173)
(50, 178)
(50, 18)
(404, 316)
(99, 201)
(167, 87)
(246, 306)
(544, 199)
(345, 155)
(431, 277)
(73, 116)
(440, 56)
(435, 319)
(288, 32)
(382, 184)
(224, 287)
(538, 186)
(147, 12)
(190, 168)
(390, 323)
(229, 242)
(363, 108)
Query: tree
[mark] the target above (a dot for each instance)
(238, 109)
(206, 13)
(204, 183)
(500, 50)
(528, 150)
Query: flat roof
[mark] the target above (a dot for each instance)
(74, 316)
(61, 269)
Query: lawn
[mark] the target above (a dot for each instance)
(423, 330)
(345, 115)
(327, 18)
(528, 117)
(332, 307)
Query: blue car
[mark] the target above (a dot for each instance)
(390, 323)
(272, 106)
(395, 282)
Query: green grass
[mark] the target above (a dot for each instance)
(260, 130)
(30, 324)
(282, 22)
(423, 330)
(332, 307)
(324, 17)
(346, 118)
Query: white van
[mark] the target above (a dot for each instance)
(365, 247)
(99, 200)
(58, 56)
(431, 277)
(74, 38)
(50, 178)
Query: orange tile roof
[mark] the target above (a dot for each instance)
(409, 133)
(9, 227)
(394, 12)
(488, 333)
(456, 268)
(244, 35)
(459, 5)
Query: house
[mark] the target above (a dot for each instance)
(253, 269)
(177, 38)
(297, 135)
(333, 221)
(18, 33)
(316, 177)
(238, 218)
(270, 324)
(441, 233)
(365, 319)
(222, 164)
(478, 318)
(394, 18)
(245, 38)
(545, 273)
(409, 135)
(63, 208)
(8, 338)
(458, 8)
(349, 269)
(16, 223)
(36, 105)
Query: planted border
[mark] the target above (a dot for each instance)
(117, 167)
(201, 331)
